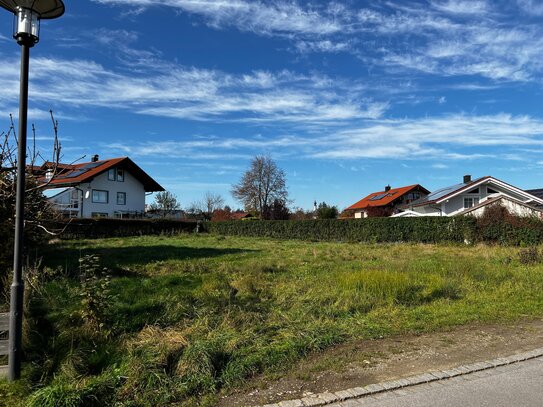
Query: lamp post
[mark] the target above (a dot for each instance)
(27, 15)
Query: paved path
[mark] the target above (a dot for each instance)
(518, 384)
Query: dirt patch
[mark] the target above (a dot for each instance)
(371, 361)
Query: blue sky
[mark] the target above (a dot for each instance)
(346, 96)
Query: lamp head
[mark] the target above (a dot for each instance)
(28, 14)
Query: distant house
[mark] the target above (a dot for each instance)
(473, 196)
(242, 216)
(387, 202)
(100, 188)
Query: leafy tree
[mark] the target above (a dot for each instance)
(262, 184)
(222, 214)
(327, 212)
(277, 211)
(301, 214)
(165, 204)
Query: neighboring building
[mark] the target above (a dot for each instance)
(536, 192)
(107, 188)
(512, 205)
(387, 202)
(472, 196)
(242, 216)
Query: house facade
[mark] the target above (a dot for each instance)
(386, 202)
(107, 188)
(472, 196)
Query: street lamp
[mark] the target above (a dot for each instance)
(26, 30)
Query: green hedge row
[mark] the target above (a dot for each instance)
(423, 230)
(107, 227)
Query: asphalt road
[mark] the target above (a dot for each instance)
(516, 385)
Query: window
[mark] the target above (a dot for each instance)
(474, 191)
(491, 191)
(99, 215)
(121, 198)
(111, 174)
(470, 202)
(99, 196)
(120, 175)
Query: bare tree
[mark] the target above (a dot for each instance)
(38, 211)
(209, 204)
(165, 204)
(262, 184)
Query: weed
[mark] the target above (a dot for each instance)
(530, 256)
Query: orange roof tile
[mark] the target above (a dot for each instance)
(383, 198)
(70, 175)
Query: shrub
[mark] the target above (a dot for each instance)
(423, 230)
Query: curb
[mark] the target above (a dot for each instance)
(323, 399)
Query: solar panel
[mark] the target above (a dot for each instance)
(378, 197)
(91, 165)
(75, 173)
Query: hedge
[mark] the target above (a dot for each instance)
(422, 230)
(107, 227)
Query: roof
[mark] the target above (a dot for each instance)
(443, 194)
(536, 192)
(75, 174)
(383, 198)
(241, 215)
(491, 201)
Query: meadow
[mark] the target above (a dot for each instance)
(180, 320)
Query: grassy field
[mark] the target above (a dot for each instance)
(182, 319)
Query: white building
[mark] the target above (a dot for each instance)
(108, 188)
(473, 196)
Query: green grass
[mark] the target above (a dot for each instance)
(192, 316)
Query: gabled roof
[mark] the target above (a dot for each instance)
(75, 174)
(443, 194)
(536, 192)
(383, 198)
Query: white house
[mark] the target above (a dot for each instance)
(473, 196)
(107, 188)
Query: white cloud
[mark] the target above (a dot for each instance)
(462, 6)
(455, 137)
(167, 90)
(261, 17)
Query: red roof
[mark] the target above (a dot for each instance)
(74, 174)
(384, 198)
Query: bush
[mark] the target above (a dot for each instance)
(105, 227)
(498, 225)
(422, 230)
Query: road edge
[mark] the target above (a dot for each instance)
(322, 399)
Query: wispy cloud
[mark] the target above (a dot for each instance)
(454, 137)
(249, 15)
(167, 90)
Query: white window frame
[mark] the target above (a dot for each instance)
(471, 201)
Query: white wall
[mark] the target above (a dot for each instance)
(135, 195)
(455, 205)
(513, 207)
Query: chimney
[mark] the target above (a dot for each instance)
(467, 179)
(387, 188)
(95, 158)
